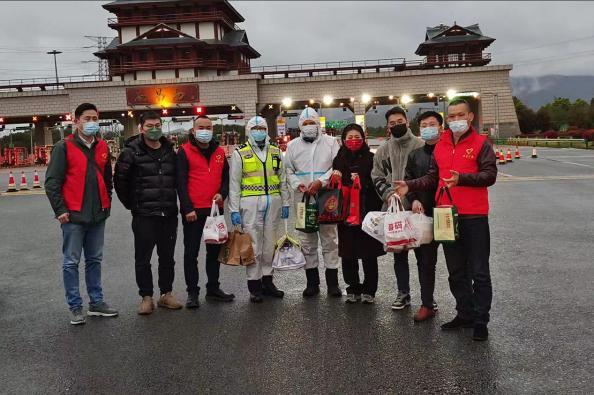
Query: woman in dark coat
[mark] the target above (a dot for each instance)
(354, 157)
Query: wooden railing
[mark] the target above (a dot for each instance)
(182, 17)
(168, 64)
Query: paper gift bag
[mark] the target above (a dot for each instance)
(445, 219)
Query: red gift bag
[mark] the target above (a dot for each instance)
(354, 215)
(333, 202)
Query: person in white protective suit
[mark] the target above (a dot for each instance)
(308, 163)
(258, 199)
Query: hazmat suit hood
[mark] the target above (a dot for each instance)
(309, 114)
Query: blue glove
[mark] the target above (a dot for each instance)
(235, 219)
(285, 212)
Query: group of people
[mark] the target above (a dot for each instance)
(258, 182)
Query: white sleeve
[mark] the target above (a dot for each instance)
(334, 151)
(292, 180)
(235, 175)
(285, 193)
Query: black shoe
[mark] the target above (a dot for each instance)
(269, 289)
(457, 323)
(481, 333)
(255, 288)
(192, 301)
(219, 295)
(332, 283)
(313, 283)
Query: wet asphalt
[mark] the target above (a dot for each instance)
(541, 332)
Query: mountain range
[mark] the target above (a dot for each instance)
(537, 91)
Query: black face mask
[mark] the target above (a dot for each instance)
(309, 139)
(399, 130)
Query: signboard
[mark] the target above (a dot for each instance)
(323, 123)
(281, 127)
(162, 95)
(360, 120)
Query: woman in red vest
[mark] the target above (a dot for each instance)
(464, 161)
(78, 184)
(203, 176)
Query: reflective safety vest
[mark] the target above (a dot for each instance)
(259, 178)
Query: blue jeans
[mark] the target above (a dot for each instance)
(79, 237)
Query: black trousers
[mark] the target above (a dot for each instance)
(468, 265)
(350, 272)
(148, 232)
(426, 256)
(401, 271)
(192, 239)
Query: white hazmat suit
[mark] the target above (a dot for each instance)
(260, 215)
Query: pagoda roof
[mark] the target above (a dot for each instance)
(119, 4)
(156, 37)
(444, 35)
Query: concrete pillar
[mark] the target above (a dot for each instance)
(40, 131)
(130, 127)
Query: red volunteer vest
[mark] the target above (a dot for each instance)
(73, 189)
(462, 157)
(204, 178)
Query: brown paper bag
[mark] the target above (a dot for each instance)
(238, 250)
(244, 245)
(229, 254)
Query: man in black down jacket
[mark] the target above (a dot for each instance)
(145, 182)
(419, 160)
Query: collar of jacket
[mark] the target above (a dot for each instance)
(136, 142)
(78, 140)
(448, 132)
(404, 139)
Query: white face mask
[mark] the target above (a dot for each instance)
(458, 127)
(309, 131)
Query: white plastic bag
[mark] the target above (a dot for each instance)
(398, 231)
(287, 253)
(215, 228)
(423, 228)
(373, 225)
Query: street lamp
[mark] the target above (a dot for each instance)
(54, 52)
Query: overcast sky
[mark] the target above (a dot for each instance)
(537, 37)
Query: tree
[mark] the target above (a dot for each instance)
(579, 114)
(526, 116)
(543, 120)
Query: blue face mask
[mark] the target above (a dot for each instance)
(259, 135)
(204, 136)
(90, 128)
(429, 133)
(458, 127)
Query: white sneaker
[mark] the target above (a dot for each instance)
(367, 299)
(352, 298)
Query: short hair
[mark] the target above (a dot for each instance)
(429, 114)
(396, 110)
(84, 107)
(202, 117)
(456, 102)
(149, 115)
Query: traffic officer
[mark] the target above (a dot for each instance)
(258, 198)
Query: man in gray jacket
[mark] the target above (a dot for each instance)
(389, 163)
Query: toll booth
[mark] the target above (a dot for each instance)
(40, 155)
(282, 142)
(229, 141)
(15, 157)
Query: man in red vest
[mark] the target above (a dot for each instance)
(464, 161)
(78, 184)
(203, 176)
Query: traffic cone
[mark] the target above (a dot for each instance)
(11, 183)
(509, 156)
(23, 186)
(501, 158)
(534, 155)
(36, 183)
(517, 155)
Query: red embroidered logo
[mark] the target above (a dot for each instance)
(219, 158)
(469, 153)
